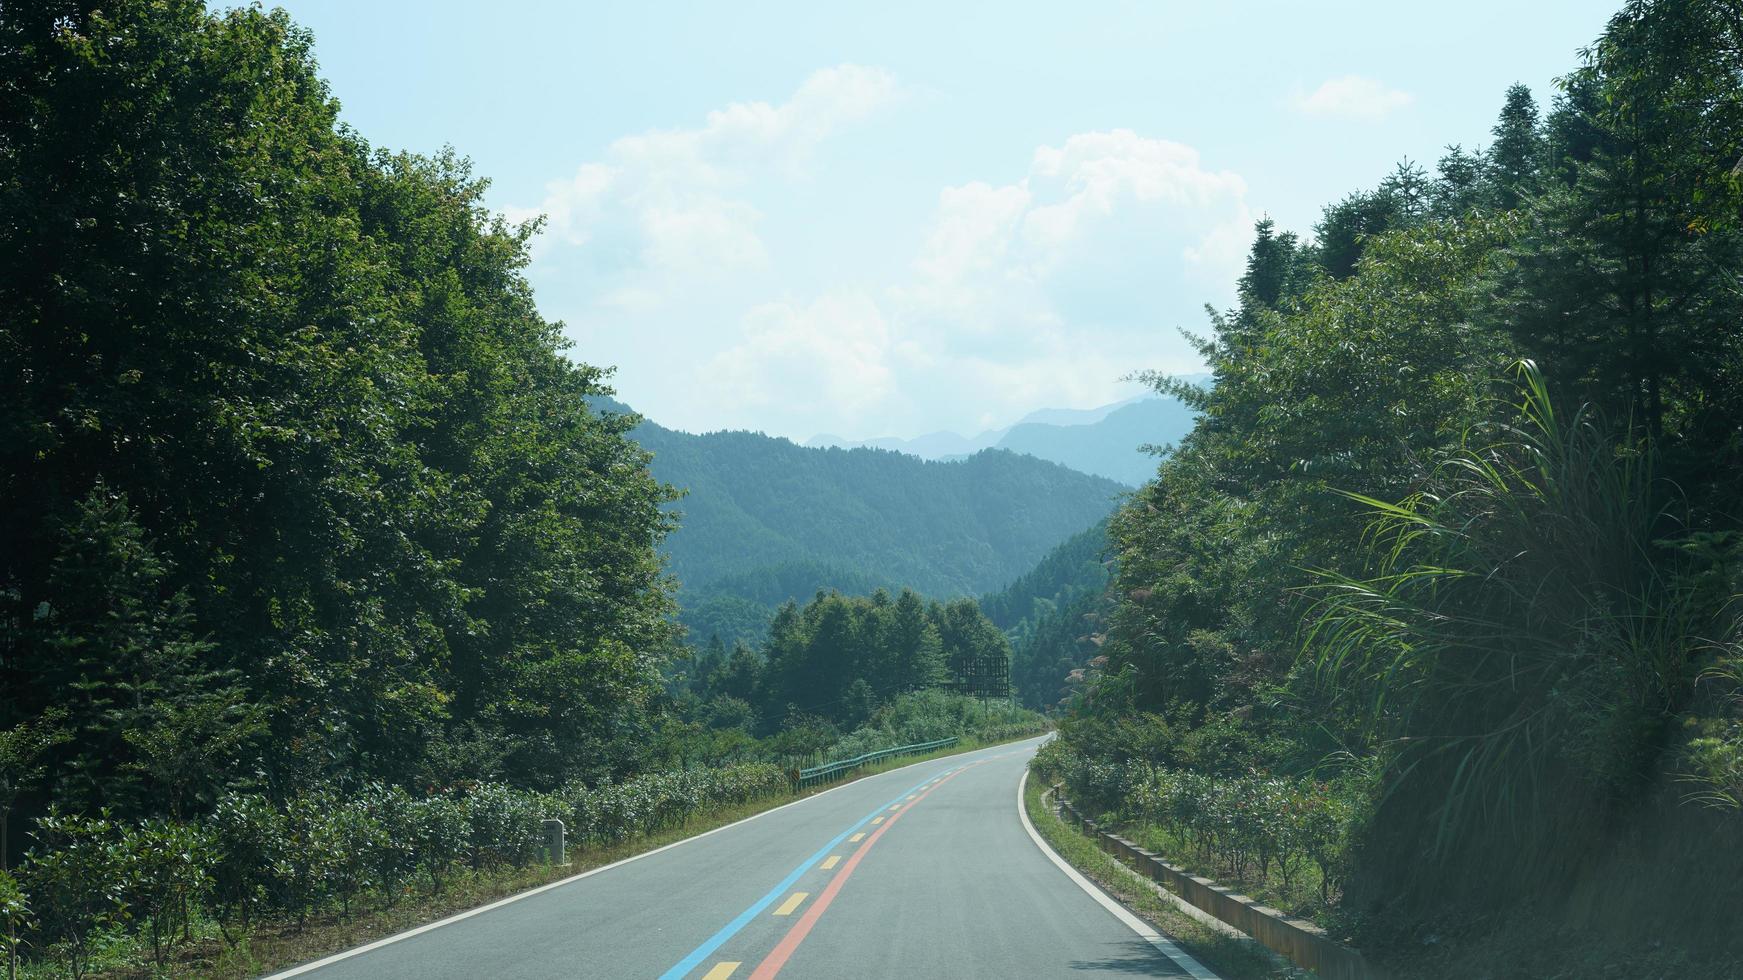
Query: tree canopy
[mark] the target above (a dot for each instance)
(286, 441)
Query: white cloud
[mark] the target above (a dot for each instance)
(680, 257)
(833, 354)
(671, 202)
(1046, 290)
(1352, 97)
(1091, 235)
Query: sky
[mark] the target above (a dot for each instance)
(903, 217)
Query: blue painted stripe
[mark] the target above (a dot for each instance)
(714, 942)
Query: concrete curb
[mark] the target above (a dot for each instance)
(1303, 943)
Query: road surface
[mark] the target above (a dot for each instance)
(924, 871)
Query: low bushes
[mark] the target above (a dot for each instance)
(89, 879)
(911, 719)
(321, 852)
(1250, 824)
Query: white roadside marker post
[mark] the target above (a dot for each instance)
(554, 841)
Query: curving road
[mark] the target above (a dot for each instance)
(924, 871)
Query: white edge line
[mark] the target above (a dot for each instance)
(499, 903)
(1167, 947)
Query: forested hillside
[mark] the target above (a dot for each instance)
(1427, 628)
(1052, 616)
(764, 521)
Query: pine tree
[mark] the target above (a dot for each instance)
(915, 647)
(1345, 227)
(1459, 188)
(1411, 192)
(1515, 158)
(145, 697)
(1273, 270)
(1623, 285)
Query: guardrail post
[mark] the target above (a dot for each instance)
(554, 841)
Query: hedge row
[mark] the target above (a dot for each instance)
(1245, 823)
(250, 857)
(1014, 730)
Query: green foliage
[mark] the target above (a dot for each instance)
(1246, 823)
(91, 877)
(925, 716)
(16, 918)
(1515, 159)
(298, 482)
(1076, 567)
(247, 833)
(23, 749)
(1496, 612)
(1052, 616)
(171, 866)
(832, 663)
(766, 522)
(80, 875)
(1523, 603)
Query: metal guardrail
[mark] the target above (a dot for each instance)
(831, 771)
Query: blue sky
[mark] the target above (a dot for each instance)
(895, 218)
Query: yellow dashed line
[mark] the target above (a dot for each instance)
(856, 838)
(793, 901)
(898, 806)
(877, 820)
(831, 861)
(721, 971)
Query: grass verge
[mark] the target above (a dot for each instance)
(1231, 957)
(278, 945)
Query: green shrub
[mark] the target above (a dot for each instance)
(247, 839)
(503, 825)
(91, 876)
(15, 919)
(172, 867)
(306, 863)
(441, 832)
(80, 875)
(1249, 823)
(357, 840)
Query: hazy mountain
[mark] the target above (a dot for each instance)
(1072, 416)
(1105, 441)
(1111, 447)
(765, 520)
(933, 445)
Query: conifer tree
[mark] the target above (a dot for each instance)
(1515, 158)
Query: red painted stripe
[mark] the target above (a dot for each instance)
(777, 957)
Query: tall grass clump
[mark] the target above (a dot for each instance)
(1531, 631)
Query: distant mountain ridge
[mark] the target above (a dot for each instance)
(1106, 441)
(765, 520)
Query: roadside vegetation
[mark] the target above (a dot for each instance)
(1284, 842)
(327, 573)
(1232, 957)
(1429, 628)
(257, 887)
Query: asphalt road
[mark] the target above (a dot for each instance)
(925, 871)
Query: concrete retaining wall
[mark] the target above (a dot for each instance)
(1302, 942)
